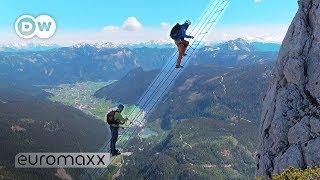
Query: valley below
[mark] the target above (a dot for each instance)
(206, 126)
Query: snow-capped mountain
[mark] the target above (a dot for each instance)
(233, 53)
(22, 47)
(236, 45)
(243, 44)
(151, 44)
(107, 61)
(108, 45)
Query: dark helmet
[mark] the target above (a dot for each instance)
(120, 107)
(188, 22)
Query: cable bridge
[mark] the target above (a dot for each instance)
(161, 85)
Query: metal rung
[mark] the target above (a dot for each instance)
(203, 33)
(218, 11)
(211, 22)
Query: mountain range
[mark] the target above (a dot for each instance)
(86, 62)
(21, 47)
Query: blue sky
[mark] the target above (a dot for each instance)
(80, 16)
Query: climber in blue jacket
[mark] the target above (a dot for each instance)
(178, 34)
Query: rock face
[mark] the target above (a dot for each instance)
(290, 120)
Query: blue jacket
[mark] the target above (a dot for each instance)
(182, 32)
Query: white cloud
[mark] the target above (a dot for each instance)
(111, 28)
(257, 1)
(131, 24)
(165, 25)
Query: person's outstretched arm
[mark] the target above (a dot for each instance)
(183, 32)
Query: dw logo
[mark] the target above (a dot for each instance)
(43, 26)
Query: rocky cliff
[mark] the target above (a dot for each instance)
(290, 120)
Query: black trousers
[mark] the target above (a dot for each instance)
(114, 138)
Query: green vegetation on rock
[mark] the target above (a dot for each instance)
(299, 174)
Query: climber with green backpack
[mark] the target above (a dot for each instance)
(115, 119)
(178, 33)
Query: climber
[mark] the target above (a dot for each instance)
(178, 33)
(114, 119)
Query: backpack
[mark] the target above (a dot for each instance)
(110, 118)
(175, 31)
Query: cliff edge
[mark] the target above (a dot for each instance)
(290, 119)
